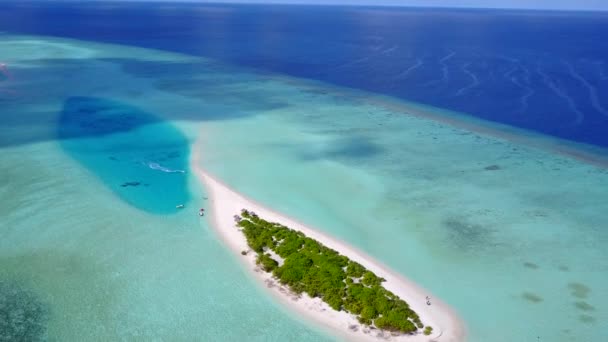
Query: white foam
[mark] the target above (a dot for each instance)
(474, 80)
(561, 93)
(593, 96)
(444, 70)
(157, 166)
(410, 69)
(523, 85)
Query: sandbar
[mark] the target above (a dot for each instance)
(225, 202)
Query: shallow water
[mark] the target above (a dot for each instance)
(85, 258)
(511, 237)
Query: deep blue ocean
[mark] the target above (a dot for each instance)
(543, 71)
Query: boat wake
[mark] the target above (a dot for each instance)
(157, 166)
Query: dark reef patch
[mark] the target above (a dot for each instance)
(125, 184)
(579, 290)
(93, 117)
(584, 306)
(586, 319)
(467, 236)
(23, 316)
(340, 149)
(44, 286)
(531, 265)
(531, 297)
(354, 148)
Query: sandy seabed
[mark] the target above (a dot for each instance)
(224, 203)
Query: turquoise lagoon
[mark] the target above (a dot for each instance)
(83, 257)
(511, 236)
(141, 158)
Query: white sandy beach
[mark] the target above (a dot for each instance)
(224, 203)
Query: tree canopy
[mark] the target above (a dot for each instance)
(310, 267)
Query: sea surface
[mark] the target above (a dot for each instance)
(543, 71)
(380, 126)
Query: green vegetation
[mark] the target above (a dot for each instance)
(308, 266)
(428, 330)
(267, 262)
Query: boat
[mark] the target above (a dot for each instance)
(179, 206)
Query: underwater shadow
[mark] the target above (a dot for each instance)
(343, 149)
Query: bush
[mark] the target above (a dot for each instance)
(322, 272)
(369, 312)
(354, 270)
(428, 330)
(370, 279)
(334, 301)
(267, 263)
(364, 320)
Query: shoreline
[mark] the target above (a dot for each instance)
(224, 202)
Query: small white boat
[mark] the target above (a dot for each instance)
(179, 206)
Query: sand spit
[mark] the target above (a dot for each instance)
(224, 203)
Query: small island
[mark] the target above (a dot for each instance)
(321, 279)
(306, 266)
